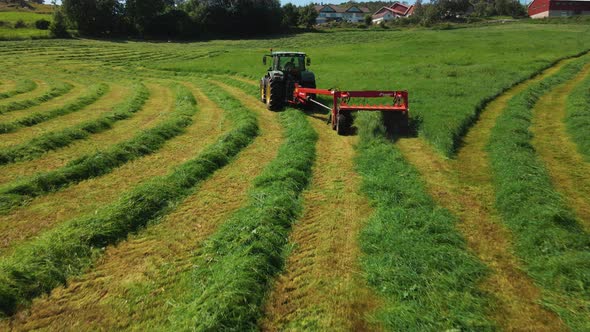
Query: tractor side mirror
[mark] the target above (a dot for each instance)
(264, 60)
(308, 61)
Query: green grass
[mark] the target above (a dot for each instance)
(234, 268)
(59, 139)
(578, 117)
(22, 34)
(28, 17)
(47, 261)
(95, 92)
(548, 239)
(413, 255)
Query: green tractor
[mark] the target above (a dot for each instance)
(288, 68)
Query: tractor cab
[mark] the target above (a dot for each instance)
(288, 61)
(287, 70)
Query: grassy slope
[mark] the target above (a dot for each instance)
(28, 17)
(447, 72)
(9, 16)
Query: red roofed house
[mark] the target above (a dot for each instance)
(327, 13)
(557, 8)
(392, 12)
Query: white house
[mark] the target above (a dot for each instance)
(392, 12)
(328, 13)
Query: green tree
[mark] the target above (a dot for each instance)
(368, 20)
(58, 27)
(93, 17)
(142, 12)
(451, 8)
(484, 8)
(290, 15)
(308, 15)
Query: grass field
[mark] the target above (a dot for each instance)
(143, 186)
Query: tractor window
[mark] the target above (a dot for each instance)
(292, 63)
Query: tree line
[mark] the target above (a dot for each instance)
(179, 18)
(194, 19)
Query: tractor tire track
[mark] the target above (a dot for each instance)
(569, 171)
(464, 186)
(46, 211)
(322, 287)
(155, 260)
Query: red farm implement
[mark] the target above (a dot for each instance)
(395, 114)
(289, 82)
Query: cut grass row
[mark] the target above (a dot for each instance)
(578, 117)
(161, 256)
(85, 197)
(21, 87)
(413, 255)
(59, 139)
(156, 108)
(554, 248)
(57, 90)
(96, 92)
(102, 162)
(44, 263)
(569, 171)
(234, 268)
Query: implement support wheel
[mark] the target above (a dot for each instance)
(343, 123)
(396, 123)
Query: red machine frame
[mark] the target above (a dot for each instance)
(303, 96)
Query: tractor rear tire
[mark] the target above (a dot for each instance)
(274, 95)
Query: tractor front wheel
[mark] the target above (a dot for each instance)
(274, 95)
(263, 90)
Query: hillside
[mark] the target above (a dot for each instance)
(25, 6)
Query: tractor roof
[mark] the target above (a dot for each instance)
(288, 53)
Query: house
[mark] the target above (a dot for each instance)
(558, 8)
(392, 12)
(328, 13)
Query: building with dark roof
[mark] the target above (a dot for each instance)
(328, 13)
